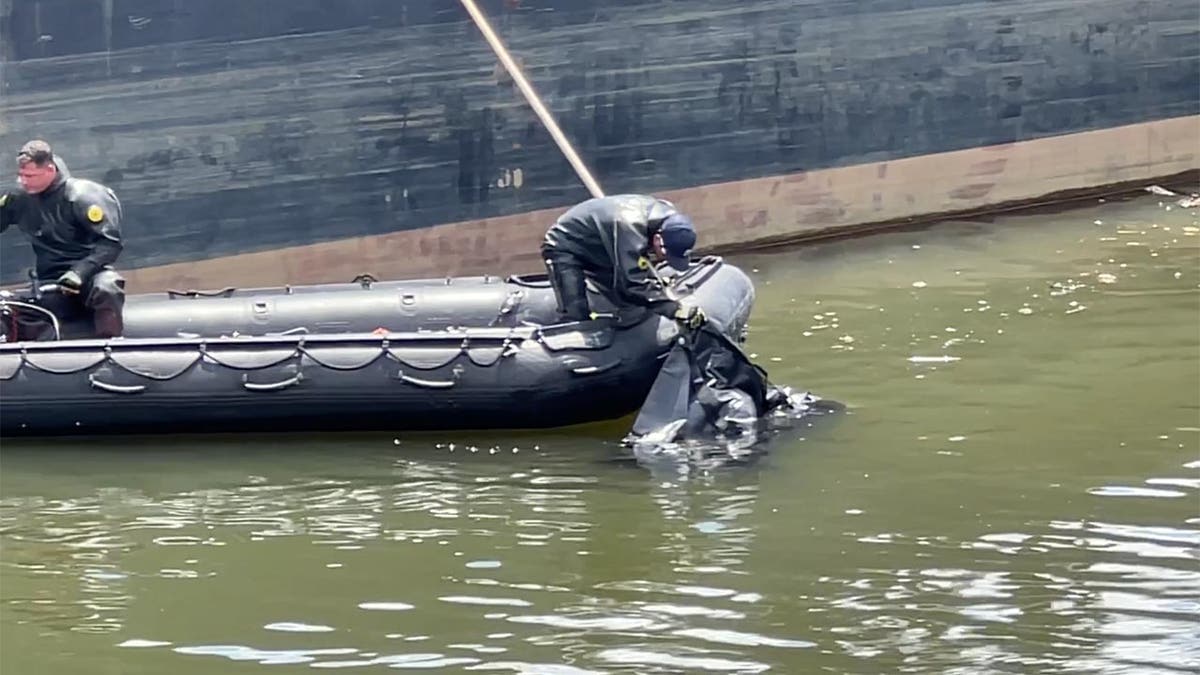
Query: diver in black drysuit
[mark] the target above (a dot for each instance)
(74, 228)
(707, 383)
(609, 240)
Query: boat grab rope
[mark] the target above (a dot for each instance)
(168, 360)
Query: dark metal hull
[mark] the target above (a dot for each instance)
(229, 127)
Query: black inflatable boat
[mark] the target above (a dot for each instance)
(471, 352)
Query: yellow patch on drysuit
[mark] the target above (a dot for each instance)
(3, 200)
(643, 263)
(95, 213)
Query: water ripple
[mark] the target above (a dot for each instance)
(732, 637)
(476, 600)
(298, 627)
(592, 621)
(686, 659)
(270, 657)
(527, 668)
(1134, 491)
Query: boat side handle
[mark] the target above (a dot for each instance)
(116, 388)
(430, 384)
(271, 386)
(593, 370)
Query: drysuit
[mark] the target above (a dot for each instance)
(74, 227)
(608, 240)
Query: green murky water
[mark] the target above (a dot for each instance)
(1015, 489)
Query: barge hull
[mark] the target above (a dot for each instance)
(318, 131)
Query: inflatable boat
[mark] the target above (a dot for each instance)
(456, 353)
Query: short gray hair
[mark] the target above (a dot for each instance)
(37, 151)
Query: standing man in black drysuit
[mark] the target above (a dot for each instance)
(74, 227)
(609, 240)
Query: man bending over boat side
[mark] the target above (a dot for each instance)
(610, 240)
(74, 227)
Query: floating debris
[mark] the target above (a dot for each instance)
(1063, 288)
(1159, 190)
(1106, 278)
(934, 359)
(919, 284)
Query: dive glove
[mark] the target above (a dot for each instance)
(70, 282)
(690, 316)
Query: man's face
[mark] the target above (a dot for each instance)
(656, 245)
(34, 178)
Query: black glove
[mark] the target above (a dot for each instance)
(70, 282)
(690, 316)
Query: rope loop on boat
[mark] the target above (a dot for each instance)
(420, 360)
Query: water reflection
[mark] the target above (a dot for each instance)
(1134, 604)
(1011, 491)
(464, 528)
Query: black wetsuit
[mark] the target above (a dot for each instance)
(607, 240)
(74, 225)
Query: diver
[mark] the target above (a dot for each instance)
(609, 240)
(74, 226)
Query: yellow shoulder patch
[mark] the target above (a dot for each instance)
(95, 213)
(3, 199)
(643, 263)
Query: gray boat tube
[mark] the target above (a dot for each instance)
(366, 305)
(460, 353)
